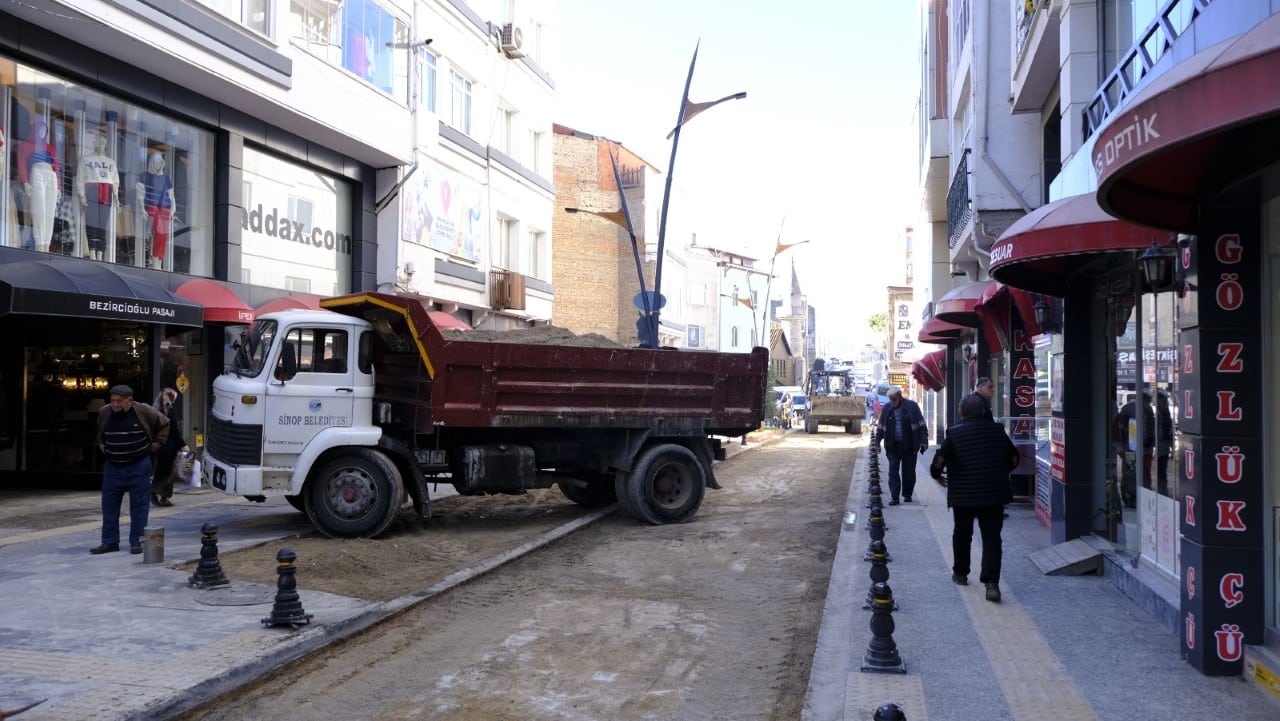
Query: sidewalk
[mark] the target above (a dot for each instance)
(1057, 647)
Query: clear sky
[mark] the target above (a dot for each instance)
(822, 149)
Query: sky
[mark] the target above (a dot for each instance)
(823, 148)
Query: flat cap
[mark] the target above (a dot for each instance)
(121, 390)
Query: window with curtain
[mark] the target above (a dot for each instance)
(354, 34)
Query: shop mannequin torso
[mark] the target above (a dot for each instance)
(38, 170)
(96, 182)
(156, 192)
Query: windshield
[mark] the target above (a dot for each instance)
(251, 356)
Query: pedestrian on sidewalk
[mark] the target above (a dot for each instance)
(903, 432)
(985, 389)
(128, 434)
(168, 402)
(973, 463)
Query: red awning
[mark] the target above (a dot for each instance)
(444, 321)
(299, 301)
(957, 305)
(1206, 123)
(221, 305)
(937, 331)
(993, 316)
(928, 370)
(1026, 304)
(1043, 247)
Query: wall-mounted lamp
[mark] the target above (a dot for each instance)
(411, 45)
(1157, 267)
(1043, 313)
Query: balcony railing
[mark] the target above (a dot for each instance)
(959, 207)
(631, 177)
(1174, 18)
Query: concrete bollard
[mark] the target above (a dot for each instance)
(153, 545)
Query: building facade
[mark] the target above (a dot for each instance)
(1147, 263)
(168, 169)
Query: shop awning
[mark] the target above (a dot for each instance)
(1206, 123)
(993, 316)
(75, 288)
(1053, 241)
(1025, 303)
(937, 331)
(220, 304)
(957, 305)
(929, 370)
(444, 321)
(299, 301)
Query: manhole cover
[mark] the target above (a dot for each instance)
(236, 596)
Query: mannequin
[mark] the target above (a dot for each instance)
(12, 235)
(156, 193)
(96, 182)
(38, 169)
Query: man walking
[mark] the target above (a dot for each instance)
(128, 434)
(903, 432)
(985, 389)
(977, 457)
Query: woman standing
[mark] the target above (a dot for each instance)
(169, 402)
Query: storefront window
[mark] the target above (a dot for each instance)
(86, 174)
(296, 228)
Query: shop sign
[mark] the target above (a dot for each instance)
(34, 301)
(1222, 606)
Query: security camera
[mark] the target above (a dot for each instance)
(408, 269)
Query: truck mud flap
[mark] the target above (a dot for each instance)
(415, 483)
(706, 454)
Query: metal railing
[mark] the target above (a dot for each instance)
(1171, 22)
(959, 206)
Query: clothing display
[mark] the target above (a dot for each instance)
(156, 192)
(38, 169)
(96, 180)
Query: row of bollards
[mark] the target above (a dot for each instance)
(287, 608)
(882, 652)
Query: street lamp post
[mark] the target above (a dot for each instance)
(688, 110)
(768, 284)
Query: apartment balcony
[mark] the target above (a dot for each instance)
(959, 203)
(936, 161)
(1035, 54)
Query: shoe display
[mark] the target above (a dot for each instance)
(993, 592)
(960, 580)
(104, 548)
(135, 550)
(893, 502)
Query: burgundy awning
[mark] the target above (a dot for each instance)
(957, 305)
(1025, 303)
(300, 301)
(928, 370)
(221, 305)
(937, 331)
(1043, 247)
(444, 321)
(1206, 123)
(993, 316)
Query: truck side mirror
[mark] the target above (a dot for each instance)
(288, 362)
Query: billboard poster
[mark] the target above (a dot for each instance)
(445, 211)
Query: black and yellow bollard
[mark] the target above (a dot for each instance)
(889, 712)
(287, 609)
(879, 573)
(882, 653)
(209, 572)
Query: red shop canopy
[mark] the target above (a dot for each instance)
(1043, 247)
(993, 316)
(957, 305)
(221, 305)
(1206, 123)
(928, 370)
(937, 331)
(299, 301)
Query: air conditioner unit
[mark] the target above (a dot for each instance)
(506, 290)
(511, 40)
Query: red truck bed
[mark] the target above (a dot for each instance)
(463, 383)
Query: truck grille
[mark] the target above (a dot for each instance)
(235, 443)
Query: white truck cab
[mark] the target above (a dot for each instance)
(301, 384)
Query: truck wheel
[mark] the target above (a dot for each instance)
(810, 425)
(297, 502)
(855, 427)
(355, 495)
(666, 485)
(597, 493)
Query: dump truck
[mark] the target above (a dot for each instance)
(834, 399)
(351, 411)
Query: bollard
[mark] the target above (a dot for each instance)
(209, 572)
(875, 522)
(882, 653)
(287, 609)
(153, 545)
(879, 573)
(889, 712)
(877, 537)
(874, 495)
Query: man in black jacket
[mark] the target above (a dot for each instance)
(903, 432)
(977, 457)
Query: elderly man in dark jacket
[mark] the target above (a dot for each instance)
(977, 457)
(903, 432)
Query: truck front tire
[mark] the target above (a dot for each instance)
(666, 485)
(354, 495)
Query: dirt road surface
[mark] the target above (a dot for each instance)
(712, 619)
